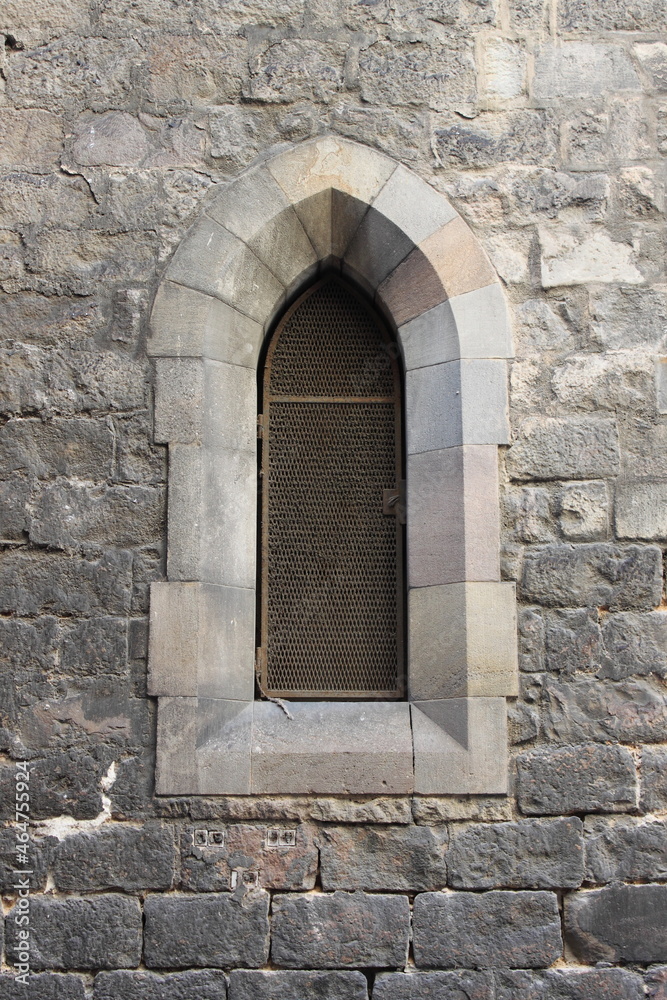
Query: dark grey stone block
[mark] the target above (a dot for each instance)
(585, 778)
(654, 779)
(530, 854)
(205, 984)
(634, 644)
(34, 582)
(433, 986)
(625, 849)
(486, 930)
(250, 985)
(38, 856)
(565, 448)
(116, 857)
(340, 930)
(620, 923)
(42, 986)
(594, 575)
(400, 859)
(656, 983)
(219, 930)
(101, 932)
(569, 984)
(583, 709)
(572, 641)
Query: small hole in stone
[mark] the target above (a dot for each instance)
(13, 44)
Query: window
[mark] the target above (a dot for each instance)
(331, 559)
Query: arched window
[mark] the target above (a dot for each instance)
(331, 589)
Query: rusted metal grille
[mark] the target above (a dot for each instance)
(331, 608)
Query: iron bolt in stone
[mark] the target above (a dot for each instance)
(280, 838)
(208, 838)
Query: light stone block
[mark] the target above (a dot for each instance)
(412, 205)
(661, 384)
(347, 214)
(224, 737)
(572, 256)
(459, 402)
(201, 401)
(211, 260)
(333, 163)
(315, 215)
(186, 323)
(581, 69)
(337, 748)
(641, 511)
(201, 641)
(463, 641)
(176, 762)
(453, 518)
(460, 746)
(212, 515)
(458, 258)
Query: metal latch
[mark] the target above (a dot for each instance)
(393, 502)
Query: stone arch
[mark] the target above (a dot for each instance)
(331, 203)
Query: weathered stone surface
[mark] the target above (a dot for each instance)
(340, 930)
(207, 984)
(66, 783)
(565, 448)
(525, 136)
(101, 932)
(530, 854)
(58, 584)
(78, 447)
(654, 779)
(248, 985)
(620, 923)
(629, 317)
(220, 929)
(611, 576)
(486, 930)
(118, 857)
(569, 984)
(641, 510)
(571, 256)
(38, 858)
(616, 15)
(433, 986)
(70, 516)
(586, 778)
(257, 849)
(30, 138)
(42, 986)
(581, 69)
(625, 850)
(399, 859)
(433, 809)
(572, 641)
(583, 708)
(114, 139)
(584, 512)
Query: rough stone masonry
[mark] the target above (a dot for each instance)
(545, 123)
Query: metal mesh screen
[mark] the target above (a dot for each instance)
(330, 605)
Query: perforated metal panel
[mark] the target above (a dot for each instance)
(331, 606)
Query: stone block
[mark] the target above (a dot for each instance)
(390, 858)
(80, 447)
(433, 986)
(251, 985)
(453, 516)
(463, 641)
(42, 986)
(339, 930)
(656, 983)
(661, 384)
(30, 138)
(218, 929)
(616, 15)
(417, 209)
(224, 733)
(434, 809)
(201, 641)
(572, 256)
(280, 856)
(594, 575)
(413, 288)
(584, 512)
(118, 857)
(331, 163)
(111, 139)
(522, 136)
(100, 932)
(460, 746)
(569, 448)
(31, 583)
(376, 248)
(622, 923)
(581, 69)
(335, 748)
(458, 258)
(212, 515)
(176, 764)
(586, 709)
(486, 930)
(205, 984)
(585, 778)
(212, 261)
(633, 645)
(625, 849)
(573, 641)
(530, 854)
(461, 402)
(641, 511)
(568, 984)
(653, 779)
(505, 70)
(186, 323)
(652, 57)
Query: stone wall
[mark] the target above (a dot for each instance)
(545, 123)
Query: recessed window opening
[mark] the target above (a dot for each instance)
(331, 588)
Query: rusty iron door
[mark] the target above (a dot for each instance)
(331, 564)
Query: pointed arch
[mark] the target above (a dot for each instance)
(325, 204)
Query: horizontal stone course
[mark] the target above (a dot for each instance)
(42, 986)
(339, 930)
(207, 984)
(248, 985)
(486, 930)
(569, 984)
(433, 986)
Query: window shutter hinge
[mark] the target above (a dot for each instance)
(261, 425)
